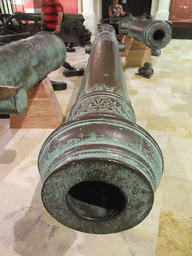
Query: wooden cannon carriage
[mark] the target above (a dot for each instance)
(21, 25)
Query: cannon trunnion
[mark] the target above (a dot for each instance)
(100, 170)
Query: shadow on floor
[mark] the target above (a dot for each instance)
(37, 233)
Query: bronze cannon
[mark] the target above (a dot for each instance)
(100, 169)
(23, 64)
(155, 34)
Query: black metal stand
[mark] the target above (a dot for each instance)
(59, 86)
(72, 71)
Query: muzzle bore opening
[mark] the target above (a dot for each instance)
(96, 200)
(159, 35)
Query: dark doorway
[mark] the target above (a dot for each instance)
(136, 7)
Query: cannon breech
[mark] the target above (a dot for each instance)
(23, 64)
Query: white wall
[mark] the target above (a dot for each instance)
(88, 14)
(154, 7)
(80, 6)
(97, 8)
(92, 12)
(163, 10)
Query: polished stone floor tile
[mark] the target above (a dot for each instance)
(175, 234)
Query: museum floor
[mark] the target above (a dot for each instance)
(163, 106)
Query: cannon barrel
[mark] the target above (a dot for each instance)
(100, 169)
(155, 34)
(23, 64)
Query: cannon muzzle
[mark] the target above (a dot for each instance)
(100, 170)
(155, 34)
(23, 64)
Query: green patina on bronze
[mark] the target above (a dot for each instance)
(23, 64)
(100, 170)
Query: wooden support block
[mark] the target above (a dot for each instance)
(136, 53)
(128, 43)
(43, 109)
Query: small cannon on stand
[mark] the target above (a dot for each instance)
(100, 170)
(155, 34)
(144, 37)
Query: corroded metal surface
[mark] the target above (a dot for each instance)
(23, 64)
(100, 169)
(155, 34)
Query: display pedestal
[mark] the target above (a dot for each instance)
(43, 109)
(136, 53)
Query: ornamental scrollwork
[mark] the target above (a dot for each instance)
(102, 104)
